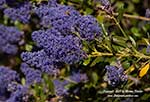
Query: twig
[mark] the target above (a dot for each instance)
(133, 16)
(124, 15)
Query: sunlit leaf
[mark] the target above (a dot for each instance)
(94, 78)
(96, 60)
(144, 70)
(86, 61)
(130, 69)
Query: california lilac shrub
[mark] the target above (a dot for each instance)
(66, 50)
(10, 37)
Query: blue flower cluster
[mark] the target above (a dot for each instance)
(60, 85)
(115, 76)
(148, 49)
(21, 13)
(66, 49)
(41, 61)
(60, 89)
(79, 77)
(2, 3)
(147, 13)
(32, 76)
(60, 42)
(55, 49)
(20, 94)
(10, 89)
(68, 21)
(9, 37)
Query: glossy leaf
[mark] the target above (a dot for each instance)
(144, 70)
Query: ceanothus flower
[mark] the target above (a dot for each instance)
(32, 75)
(66, 49)
(39, 60)
(21, 13)
(20, 95)
(87, 27)
(148, 49)
(69, 21)
(79, 77)
(10, 37)
(60, 87)
(115, 75)
(7, 76)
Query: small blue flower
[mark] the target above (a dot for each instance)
(115, 75)
(148, 49)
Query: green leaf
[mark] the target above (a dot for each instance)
(88, 11)
(28, 47)
(23, 81)
(86, 61)
(121, 11)
(94, 78)
(133, 41)
(135, 31)
(96, 60)
(100, 18)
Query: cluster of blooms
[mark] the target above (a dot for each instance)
(148, 49)
(104, 2)
(60, 88)
(147, 14)
(32, 76)
(68, 21)
(2, 3)
(9, 37)
(35, 76)
(58, 44)
(10, 89)
(115, 76)
(21, 13)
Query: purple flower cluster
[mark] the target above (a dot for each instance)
(66, 49)
(21, 13)
(79, 77)
(115, 75)
(9, 37)
(10, 89)
(104, 2)
(39, 60)
(147, 14)
(32, 75)
(68, 21)
(148, 49)
(60, 85)
(19, 95)
(2, 4)
(60, 43)
(60, 89)
(55, 49)
(7, 76)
